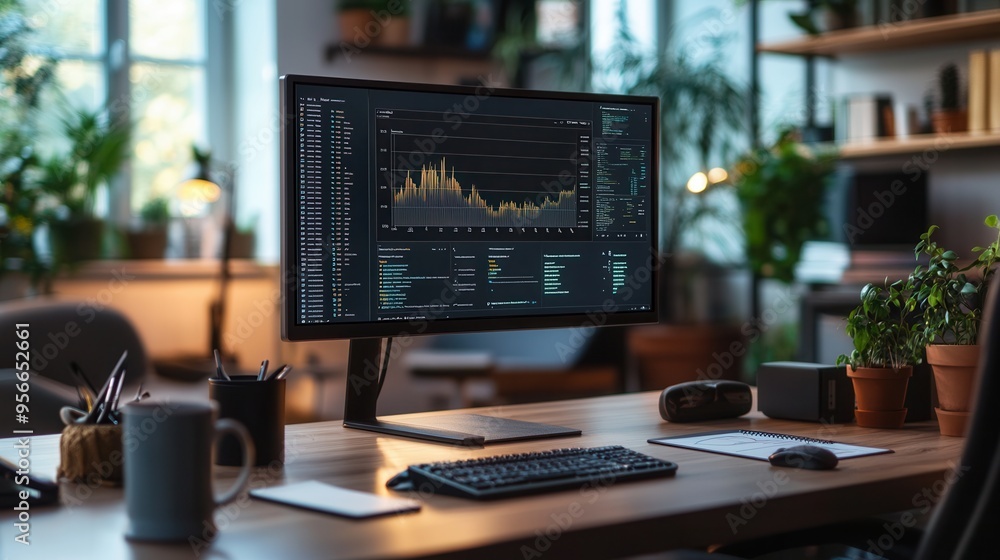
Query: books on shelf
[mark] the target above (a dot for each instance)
(984, 91)
(993, 90)
(822, 262)
(978, 92)
(869, 116)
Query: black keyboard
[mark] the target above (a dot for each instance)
(504, 476)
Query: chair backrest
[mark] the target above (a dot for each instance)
(968, 517)
(64, 331)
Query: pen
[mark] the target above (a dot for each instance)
(274, 374)
(112, 396)
(219, 371)
(263, 369)
(284, 371)
(103, 395)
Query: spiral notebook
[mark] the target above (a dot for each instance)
(759, 445)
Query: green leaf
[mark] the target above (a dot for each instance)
(991, 221)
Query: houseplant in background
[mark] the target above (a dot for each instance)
(149, 240)
(887, 344)
(781, 190)
(382, 22)
(948, 116)
(24, 76)
(71, 179)
(836, 14)
(702, 115)
(951, 301)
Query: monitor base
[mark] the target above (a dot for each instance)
(469, 430)
(364, 383)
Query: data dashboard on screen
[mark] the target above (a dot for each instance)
(409, 204)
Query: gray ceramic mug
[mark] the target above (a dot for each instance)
(168, 469)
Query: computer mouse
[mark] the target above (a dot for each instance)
(400, 482)
(804, 457)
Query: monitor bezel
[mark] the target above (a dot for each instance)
(290, 331)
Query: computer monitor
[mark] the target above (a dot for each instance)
(411, 209)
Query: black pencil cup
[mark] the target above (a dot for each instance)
(258, 405)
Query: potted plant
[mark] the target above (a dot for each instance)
(382, 22)
(71, 180)
(949, 117)
(149, 241)
(24, 76)
(837, 14)
(951, 302)
(781, 190)
(887, 344)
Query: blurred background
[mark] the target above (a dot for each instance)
(135, 133)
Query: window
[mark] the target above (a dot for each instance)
(146, 60)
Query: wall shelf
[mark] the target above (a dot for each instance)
(892, 36)
(334, 51)
(918, 143)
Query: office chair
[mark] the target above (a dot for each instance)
(64, 331)
(964, 524)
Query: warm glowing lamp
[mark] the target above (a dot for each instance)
(199, 191)
(717, 175)
(697, 183)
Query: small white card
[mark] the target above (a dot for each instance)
(333, 499)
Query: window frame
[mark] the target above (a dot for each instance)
(115, 63)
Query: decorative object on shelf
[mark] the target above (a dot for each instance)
(948, 117)
(869, 116)
(98, 149)
(836, 15)
(781, 190)
(887, 344)
(951, 303)
(149, 240)
(243, 243)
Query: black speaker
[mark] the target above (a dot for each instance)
(696, 401)
(804, 391)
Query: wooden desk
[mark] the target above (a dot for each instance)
(713, 499)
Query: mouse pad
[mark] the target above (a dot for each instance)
(760, 445)
(325, 498)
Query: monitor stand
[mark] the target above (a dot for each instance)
(472, 430)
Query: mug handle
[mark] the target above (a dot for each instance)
(230, 426)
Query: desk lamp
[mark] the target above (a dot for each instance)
(196, 194)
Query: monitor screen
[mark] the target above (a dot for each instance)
(412, 209)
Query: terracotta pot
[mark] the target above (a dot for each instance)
(951, 423)
(147, 244)
(666, 355)
(242, 245)
(954, 367)
(880, 418)
(395, 33)
(952, 120)
(351, 25)
(880, 389)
